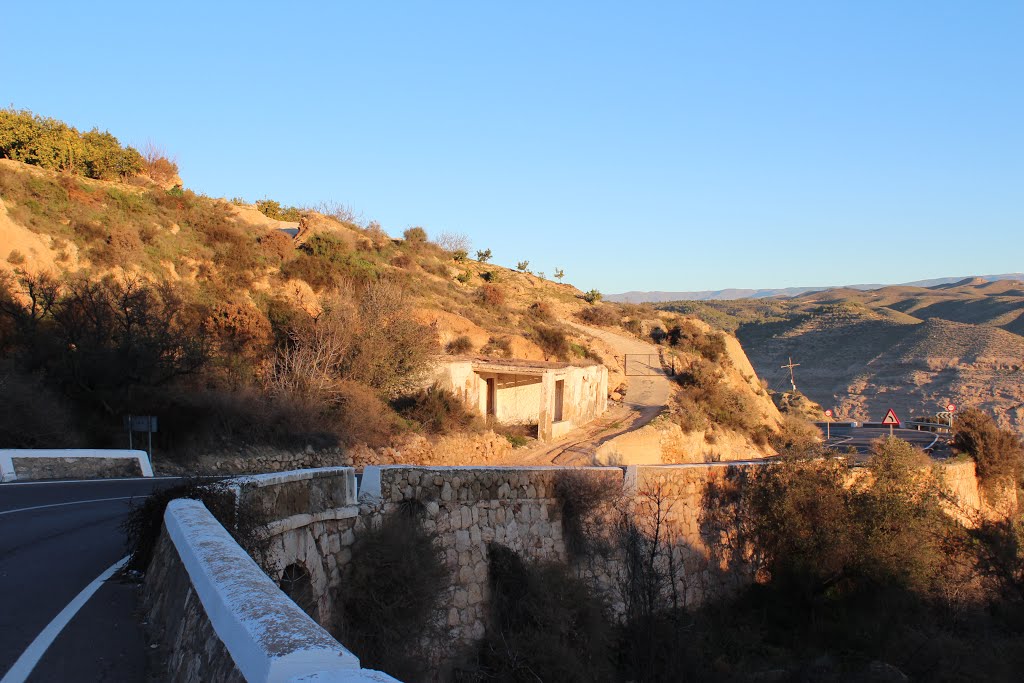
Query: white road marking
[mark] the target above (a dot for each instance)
(80, 481)
(74, 502)
(34, 652)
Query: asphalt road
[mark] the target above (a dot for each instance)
(56, 539)
(844, 437)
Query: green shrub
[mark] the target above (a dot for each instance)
(273, 209)
(592, 297)
(325, 260)
(585, 352)
(483, 256)
(54, 145)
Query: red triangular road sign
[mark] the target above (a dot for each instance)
(891, 419)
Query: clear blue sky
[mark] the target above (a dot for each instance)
(669, 146)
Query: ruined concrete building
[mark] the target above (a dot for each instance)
(557, 397)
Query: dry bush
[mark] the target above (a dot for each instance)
(688, 336)
(796, 435)
(121, 246)
(600, 315)
(34, 415)
(390, 595)
(545, 625)
(403, 261)
(158, 165)
(343, 213)
(491, 296)
(497, 346)
(454, 242)
(365, 336)
(438, 411)
(998, 454)
(276, 246)
(362, 417)
(415, 237)
(143, 525)
(585, 499)
(239, 334)
(552, 341)
(460, 345)
(541, 310)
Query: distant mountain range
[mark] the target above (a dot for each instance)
(785, 292)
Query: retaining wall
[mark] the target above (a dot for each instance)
(79, 463)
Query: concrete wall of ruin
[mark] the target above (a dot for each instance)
(517, 397)
(529, 398)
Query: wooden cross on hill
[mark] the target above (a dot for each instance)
(792, 377)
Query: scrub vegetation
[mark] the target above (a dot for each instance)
(140, 296)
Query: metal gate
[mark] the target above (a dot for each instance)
(642, 365)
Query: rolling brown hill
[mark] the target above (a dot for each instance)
(913, 349)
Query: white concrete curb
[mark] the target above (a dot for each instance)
(7, 457)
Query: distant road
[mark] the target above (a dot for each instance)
(55, 540)
(844, 437)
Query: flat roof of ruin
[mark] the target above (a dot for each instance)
(514, 365)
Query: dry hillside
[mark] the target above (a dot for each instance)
(123, 295)
(914, 349)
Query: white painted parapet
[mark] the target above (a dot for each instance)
(8, 456)
(269, 638)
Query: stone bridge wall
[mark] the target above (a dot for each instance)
(215, 616)
(318, 517)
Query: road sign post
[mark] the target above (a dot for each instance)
(951, 408)
(141, 423)
(828, 424)
(891, 420)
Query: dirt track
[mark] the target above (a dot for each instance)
(645, 398)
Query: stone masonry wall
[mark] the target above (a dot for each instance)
(179, 626)
(470, 507)
(75, 468)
